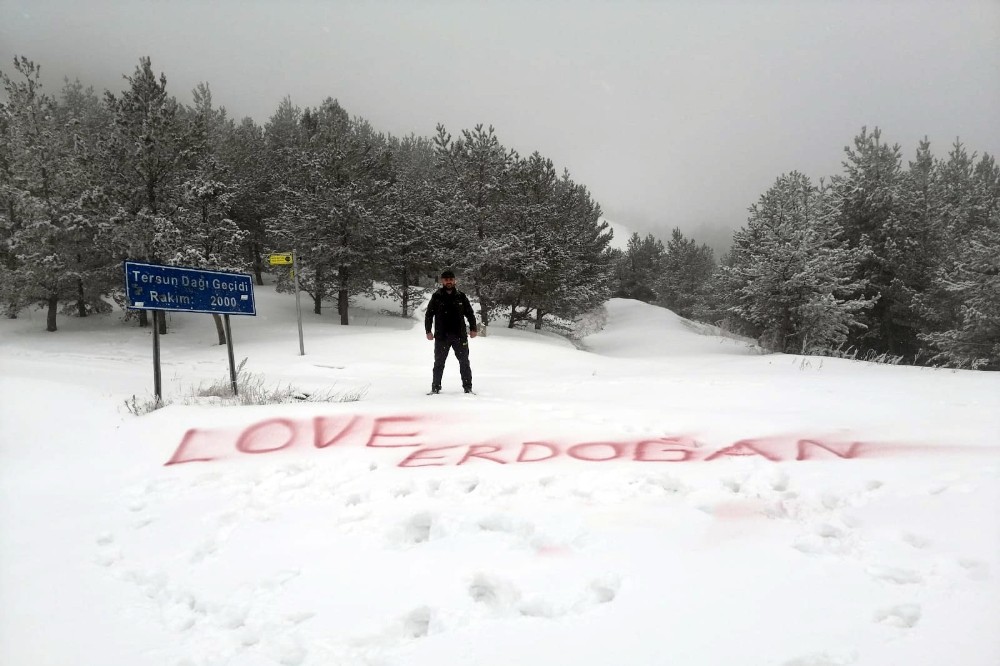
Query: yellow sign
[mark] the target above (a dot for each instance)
(280, 259)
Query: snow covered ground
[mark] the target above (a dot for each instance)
(657, 496)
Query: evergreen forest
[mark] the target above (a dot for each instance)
(895, 258)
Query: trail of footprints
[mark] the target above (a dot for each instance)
(245, 622)
(829, 529)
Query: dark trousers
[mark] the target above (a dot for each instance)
(443, 342)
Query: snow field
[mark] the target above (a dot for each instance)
(309, 555)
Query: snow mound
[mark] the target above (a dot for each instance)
(639, 330)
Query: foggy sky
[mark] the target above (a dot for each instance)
(671, 113)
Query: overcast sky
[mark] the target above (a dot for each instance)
(672, 113)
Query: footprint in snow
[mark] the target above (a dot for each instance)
(604, 590)
(779, 481)
(976, 569)
(299, 617)
(493, 592)
(400, 491)
(417, 529)
(731, 484)
(354, 499)
(109, 553)
(915, 540)
(896, 575)
(826, 538)
(205, 550)
(538, 607)
(234, 616)
(413, 625)
(417, 623)
(109, 556)
(903, 616)
(828, 531)
(499, 522)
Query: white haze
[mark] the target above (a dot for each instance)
(673, 113)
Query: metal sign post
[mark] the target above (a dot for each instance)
(229, 349)
(284, 259)
(298, 305)
(160, 288)
(157, 380)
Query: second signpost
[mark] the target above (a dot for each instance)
(289, 259)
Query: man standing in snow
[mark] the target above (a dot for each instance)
(448, 309)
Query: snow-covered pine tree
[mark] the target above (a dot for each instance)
(866, 197)
(639, 268)
(283, 147)
(210, 239)
(47, 237)
(962, 303)
(11, 297)
(85, 119)
(334, 189)
(527, 239)
(791, 276)
(252, 192)
(915, 246)
(307, 197)
(476, 169)
(682, 285)
(584, 267)
(407, 229)
(145, 159)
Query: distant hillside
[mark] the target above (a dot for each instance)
(635, 329)
(621, 234)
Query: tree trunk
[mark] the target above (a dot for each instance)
(320, 290)
(513, 316)
(342, 301)
(406, 293)
(143, 319)
(81, 303)
(784, 332)
(163, 323)
(538, 319)
(219, 328)
(484, 312)
(343, 296)
(50, 320)
(258, 265)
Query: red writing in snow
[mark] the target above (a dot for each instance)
(413, 436)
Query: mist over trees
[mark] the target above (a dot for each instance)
(892, 257)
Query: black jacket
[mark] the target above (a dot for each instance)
(448, 313)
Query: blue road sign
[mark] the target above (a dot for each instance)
(155, 287)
